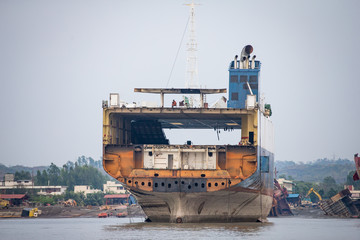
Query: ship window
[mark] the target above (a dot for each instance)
(189, 187)
(162, 184)
(216, 184)
(149, 184)
(169, 185)
(243, 78)
(203, 185)
(234, 78)
(156, 185)
(196, 184)
(176, 182)
(234, 96)
(223, 183)
(209, 184)
(142, 183)
(253, 78)
(252, 85)
(264, 163)
(129, 181)
(203, 175)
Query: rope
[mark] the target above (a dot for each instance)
(261, 183)
(177, 54)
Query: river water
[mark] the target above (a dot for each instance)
(125, 228)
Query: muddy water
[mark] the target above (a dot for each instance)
(125, 228)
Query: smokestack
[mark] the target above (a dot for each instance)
(245, 55)
(235, 62)
(253, 62)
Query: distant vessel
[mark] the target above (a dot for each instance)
(195, 183)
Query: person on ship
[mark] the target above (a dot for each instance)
(173, 104)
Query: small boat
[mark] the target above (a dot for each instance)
(103, 215)
(121, 214)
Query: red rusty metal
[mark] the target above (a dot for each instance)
(357, 165)
(280, 205)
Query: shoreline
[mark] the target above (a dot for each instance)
(59, 211)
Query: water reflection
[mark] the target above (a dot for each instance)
(197, 230)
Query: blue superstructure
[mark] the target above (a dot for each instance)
(240, 74)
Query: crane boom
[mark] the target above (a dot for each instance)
(316, 193)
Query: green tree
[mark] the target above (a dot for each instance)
(302, 187)
(350, 180)
(23, 175)
(44, 178)
(330, 187)
(54, 174)
(94, 199)
(37, 179)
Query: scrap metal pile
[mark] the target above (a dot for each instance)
(280, 205)
(340, 205)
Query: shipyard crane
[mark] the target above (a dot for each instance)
(316, 193)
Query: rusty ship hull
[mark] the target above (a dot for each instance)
(235, 204)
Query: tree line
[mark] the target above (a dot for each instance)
(85, 171)
(70, 176)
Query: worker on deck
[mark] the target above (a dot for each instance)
(173, 104)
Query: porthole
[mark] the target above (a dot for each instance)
(149, 184)
(203, 175)
(162, 184)
(136, 183)
(142, 183)
(203, 185)
(176, 182)
(223, 183)
(156, 184)
(156, 174)
(189, 187)
(209, 184)
(129, 181)
(216, 184)
(182, 182)
(169, 185)
(196, 184)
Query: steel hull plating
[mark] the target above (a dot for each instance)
(219, 206)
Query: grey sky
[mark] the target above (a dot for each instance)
(60, 59)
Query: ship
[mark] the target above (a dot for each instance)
(184, 183)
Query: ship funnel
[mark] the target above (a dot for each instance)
(247, 50)
(245, 55)
(235, 62)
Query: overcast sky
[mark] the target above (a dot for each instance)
(60, 59)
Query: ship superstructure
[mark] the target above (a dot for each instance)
(195, 183)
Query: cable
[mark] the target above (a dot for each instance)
(182, 38)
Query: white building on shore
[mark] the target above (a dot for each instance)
(10, 184)
(113, 187)
(288, 184)
(86, 189)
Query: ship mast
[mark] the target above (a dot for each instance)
(192, 80)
